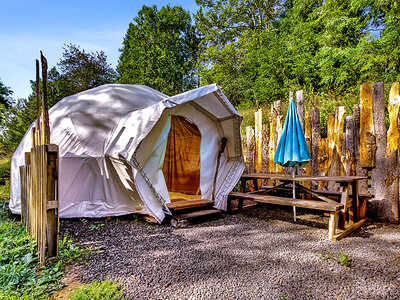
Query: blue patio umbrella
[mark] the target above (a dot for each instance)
(292, 148)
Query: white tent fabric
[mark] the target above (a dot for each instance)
(112, 142)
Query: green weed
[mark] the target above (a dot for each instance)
(97, 291)
(20, 276)
(96, 227)
(343, 259)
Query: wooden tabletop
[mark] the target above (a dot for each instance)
(285, 177)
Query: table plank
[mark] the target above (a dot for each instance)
(320, 205)
(284, 177)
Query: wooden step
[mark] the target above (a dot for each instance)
(312, 204)
(185, 204)
(194, 217)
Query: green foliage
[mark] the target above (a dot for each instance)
(259, 50)
(20, 277)
(343, 259)
(81, 71)
(98, 291)
(5, 96)
(5, 170)
(96, 227)
(159, 50)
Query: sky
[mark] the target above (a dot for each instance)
(26, 27)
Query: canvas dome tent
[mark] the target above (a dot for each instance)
(112, 143)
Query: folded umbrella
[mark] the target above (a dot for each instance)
(292, 148)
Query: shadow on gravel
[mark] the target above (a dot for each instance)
(243, 256)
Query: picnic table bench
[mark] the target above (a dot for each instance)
(352, 208)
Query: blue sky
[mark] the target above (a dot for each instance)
(30, 26)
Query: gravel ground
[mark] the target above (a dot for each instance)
(258, 254)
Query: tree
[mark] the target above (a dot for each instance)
(231, 30)
(159, 50)
(80, 71)
(5, 93)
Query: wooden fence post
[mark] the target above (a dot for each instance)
(362, 184)
(278, 132)
(271, 148)
(258, 141)
(323, 160)
(349, 147)
(250, 149)
(265, 146)
(307, 134)
(367, 132)
(385, 177)
(315, 136)
(300, 107)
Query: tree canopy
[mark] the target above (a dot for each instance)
(160, 50)
(5, 95)
(258, 50)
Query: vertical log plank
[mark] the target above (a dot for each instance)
(323, 161)
(362, 184)
(52, 215)
(265, 146)
(258, 141)
(279, 127)
(271, 148)
(307, 134)
(331, 164)
(382, 174)
(250, 148)
(315, 136)
(300, 107)
(45, 106)
(391, 206)
(349, 147)
(367, 132)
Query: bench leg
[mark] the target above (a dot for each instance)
(229, 206)
(333, 224)
(240, 205)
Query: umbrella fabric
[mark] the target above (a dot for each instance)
(292, 148)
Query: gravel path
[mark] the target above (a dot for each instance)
(259, 254)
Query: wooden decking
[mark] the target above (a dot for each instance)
(178, 204)
(189, 209)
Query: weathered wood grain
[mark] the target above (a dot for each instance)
(323, 161)
(258, 141)
(363, 184)
(367, 132)
(348, 161)
(307, 135)
(315, 136)
(300, 107)
(265, 147)
(250, 148)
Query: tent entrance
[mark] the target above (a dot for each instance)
(181, 166)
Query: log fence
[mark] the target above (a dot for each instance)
(356, 145)
(39, 180)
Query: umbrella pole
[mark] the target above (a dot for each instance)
(294, 193)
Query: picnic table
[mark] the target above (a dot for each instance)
(345, 215)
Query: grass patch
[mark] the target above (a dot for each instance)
(20, 276)
(97, 291)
